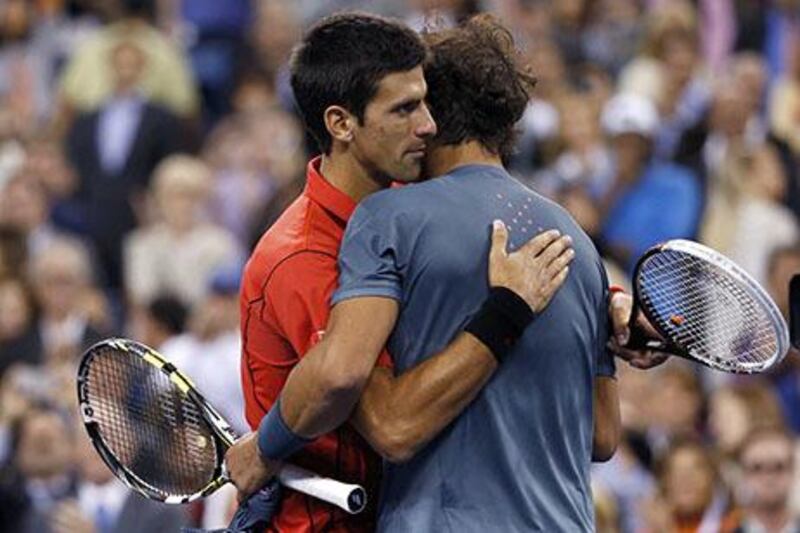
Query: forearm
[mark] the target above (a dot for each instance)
(325, 385)
(314, 401)
(398, 416)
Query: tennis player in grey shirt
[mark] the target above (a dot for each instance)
(517, 459)
(413, 275)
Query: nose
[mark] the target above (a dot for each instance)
(426, 126)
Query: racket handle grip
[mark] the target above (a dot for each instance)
(351, 498)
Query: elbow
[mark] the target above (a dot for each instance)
(391, 439)
(341, 386)
(395, 447)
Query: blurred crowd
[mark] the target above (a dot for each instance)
(145, 145)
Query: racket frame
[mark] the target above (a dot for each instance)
(220, 428)
(639, 340)
(351, 498)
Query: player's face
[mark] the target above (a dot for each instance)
(396, 128)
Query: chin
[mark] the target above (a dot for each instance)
(408, 176)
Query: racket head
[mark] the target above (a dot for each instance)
(147, 421)
(709, 309)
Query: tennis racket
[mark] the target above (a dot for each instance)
(707, 309)
(158, 434)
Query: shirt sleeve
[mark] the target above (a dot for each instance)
(299, 294)
(606, 363)
(368, 259)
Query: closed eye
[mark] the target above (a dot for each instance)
(406, 108)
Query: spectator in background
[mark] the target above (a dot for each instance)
(669, 72)
(541, 122)
(275, 30)
(734, 411)
(647, 200)
(24, 208)
(177, 253)
(102, 504)
(13, 250)
(767, 459)
(784, 103)
(18, 337)
(24, 74)
(692, 497)
(254, 157)
(215, 33)
(784, 262)
(611, 38)
(163, 319)
(68, 319)
(676, 406)
(166, 80)
(209, 351)
(744, 218)
(46, 161)
(114, 151)
(40, 472)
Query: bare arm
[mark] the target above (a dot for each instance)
(607, 425)
(326, 384)
(399, 415)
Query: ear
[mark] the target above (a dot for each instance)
(340, 123)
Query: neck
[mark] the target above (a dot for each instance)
(349, 176)
(771, 519)
(443, 159)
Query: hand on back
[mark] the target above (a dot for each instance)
(536, 270)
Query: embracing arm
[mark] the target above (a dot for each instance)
(398, 415)
(325, 385)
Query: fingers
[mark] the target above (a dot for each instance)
(641, 359)
(555, 249)
(620, 308)
(560, 263)
(499, 247)
(536, 245)
(642, 322)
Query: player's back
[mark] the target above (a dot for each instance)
(518, 458)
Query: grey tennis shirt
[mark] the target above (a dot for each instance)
(517, 459)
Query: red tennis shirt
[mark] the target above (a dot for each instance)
(284, 302)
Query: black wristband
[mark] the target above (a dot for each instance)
(501, 320)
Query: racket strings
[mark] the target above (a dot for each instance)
(152, 428)
(706, 311)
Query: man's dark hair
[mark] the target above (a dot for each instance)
(169, 312)
(342, 59)
(477, 87)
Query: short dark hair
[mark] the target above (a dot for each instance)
(477, 86)
(169, 312)
(342, 59)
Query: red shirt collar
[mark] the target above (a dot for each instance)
(329, 197)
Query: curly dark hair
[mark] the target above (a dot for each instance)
(342, 59)
(478, 87)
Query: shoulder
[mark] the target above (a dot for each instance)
(392, 204)
(287, 273)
